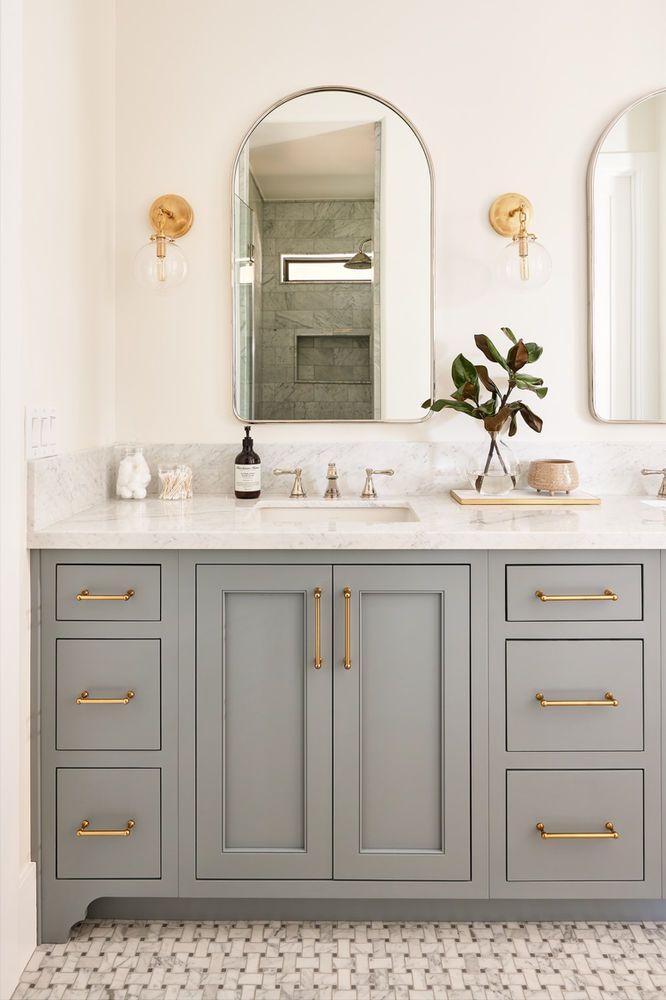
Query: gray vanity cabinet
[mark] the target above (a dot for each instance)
(401, 733)
(353, 729)
(263, 722)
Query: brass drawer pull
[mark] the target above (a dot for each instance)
(85, 595)
(317, 623)
(609, 833)
(607, 595)
(84, 831)
(85, 699)
(347, 593)
(608, 701)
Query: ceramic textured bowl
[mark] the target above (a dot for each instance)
(553, 475)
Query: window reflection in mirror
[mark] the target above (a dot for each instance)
(332, 263)
(627, 206)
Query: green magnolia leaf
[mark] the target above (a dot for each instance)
(531, 384)
(459, 406)
(486, 380)
(517, 357)
(523, 380)
(489, 406)
(534, 352)
(489, 350)
(509, 333)
(453, 404)
(534, 422)
(463, 371)
(427, 405)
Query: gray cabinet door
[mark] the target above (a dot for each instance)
(401, 724)
(264, 711)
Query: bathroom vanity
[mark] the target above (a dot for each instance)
(350, 718)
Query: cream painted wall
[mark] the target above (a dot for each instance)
(57, 186)
(17, 872)
(505, 101)
(68, 232)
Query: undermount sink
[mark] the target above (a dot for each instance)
(334, 512)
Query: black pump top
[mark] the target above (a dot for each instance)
(247, 440)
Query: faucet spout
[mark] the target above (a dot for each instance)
(332, 491)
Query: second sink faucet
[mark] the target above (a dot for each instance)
(332, 491)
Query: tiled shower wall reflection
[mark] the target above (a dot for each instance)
(315, 311)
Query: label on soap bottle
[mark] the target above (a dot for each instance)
(247, 478)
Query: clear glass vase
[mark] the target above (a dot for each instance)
(493, 472)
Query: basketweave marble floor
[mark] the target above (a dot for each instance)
(109, 960)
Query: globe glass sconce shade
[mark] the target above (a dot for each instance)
(161, 263)
(524, 263)
(531, 270)
(160, 272)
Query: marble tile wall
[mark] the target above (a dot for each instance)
(338, 310)
(67, 484)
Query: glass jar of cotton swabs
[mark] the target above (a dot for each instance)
(175, 482)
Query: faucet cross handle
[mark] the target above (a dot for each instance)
(369, 491)
(297, 491)
(657, 472)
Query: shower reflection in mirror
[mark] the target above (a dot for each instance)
(332, 319)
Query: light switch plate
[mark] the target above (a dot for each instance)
(41, 432)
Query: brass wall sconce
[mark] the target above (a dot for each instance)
(161, 263)
(525, 263)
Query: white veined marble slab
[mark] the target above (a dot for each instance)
(218, 522)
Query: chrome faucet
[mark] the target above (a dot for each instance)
(657, 472)
(297, 491)
(332, 491)
(369, 491)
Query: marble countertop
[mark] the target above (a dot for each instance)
(219, 522)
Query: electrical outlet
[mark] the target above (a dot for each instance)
(41, 432)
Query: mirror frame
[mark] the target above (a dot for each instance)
(431, 173)
(591, 172)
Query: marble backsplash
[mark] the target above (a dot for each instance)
(66, 484)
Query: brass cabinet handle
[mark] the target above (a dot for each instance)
(317, 617)
(607, 595)
(84, 831)
(609, 833)
(85, 595)
(85, 699)
(347, 593)
(608, 701)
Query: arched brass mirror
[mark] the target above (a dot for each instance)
(627, 265)
(332, 263)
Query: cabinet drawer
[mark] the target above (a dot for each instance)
(559, 593)
(108, 799)
(108, 694)
(565, 670)
(109, 593)
(574, 802)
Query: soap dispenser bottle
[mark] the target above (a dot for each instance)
(247, 472)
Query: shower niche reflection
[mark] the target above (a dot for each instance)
(332, 263)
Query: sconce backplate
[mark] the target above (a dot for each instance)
(500, 213)
(178, 217)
